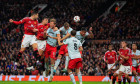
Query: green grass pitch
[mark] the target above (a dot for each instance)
(39, 82)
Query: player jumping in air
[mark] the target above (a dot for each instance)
(81, 35)
(41, 41)
(74, 48)
(65, 31)
(51, 48)
(110, 58)
(29, 38)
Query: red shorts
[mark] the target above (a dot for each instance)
(63, 50)
(75, 63)
(137, 69)
(50, 51)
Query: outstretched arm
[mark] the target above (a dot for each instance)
(90, 33)
(17, 22)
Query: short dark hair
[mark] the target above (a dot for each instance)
(34, 13)
(83, 29)
(73, 32)
(45, 18)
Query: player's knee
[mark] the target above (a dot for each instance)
(59, 57)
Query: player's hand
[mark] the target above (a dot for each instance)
(90, 29)
(35, 30)
(45, 31)
(11, 20)
(119, 52)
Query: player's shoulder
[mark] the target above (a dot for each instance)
(120, 49)
(40, 24)
(107, 52)
(128, 49)
(28, 18)
(78, 33)
(114, 51)
(70, 28)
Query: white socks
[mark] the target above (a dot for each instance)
(72, 77)
(52, 68)
(66, 62)
(57, 62)
(80, 77)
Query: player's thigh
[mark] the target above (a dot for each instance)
(59, 57)
(22, 49)
(34, 42)
(138, 69)
(122, 69)
(72, 64)
(53, 52)
(41, 52)
(25, 41)
(41, 46)
(128, 70)
(79, 65)
(61, 51)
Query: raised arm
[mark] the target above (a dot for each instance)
(90, 33)
(66, 36)
(17, 22)
(59, 42)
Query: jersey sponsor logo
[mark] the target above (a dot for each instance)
(29, 22)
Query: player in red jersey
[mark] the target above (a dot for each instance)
(41, 41)
(29, 38)
(110, 58)
(126, 66)
(116, 73)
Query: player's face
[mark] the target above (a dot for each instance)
(123, 44)
(83, 33)
(52, 24)
(45, 21)
(134, 46)
(36, 16)
(66, 28)
(110, 48)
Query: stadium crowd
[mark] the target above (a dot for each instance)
(123, 25)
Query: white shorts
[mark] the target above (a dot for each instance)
(28, 40)
(117, 72)
(126, 69)
(110, 65)
(41, 44)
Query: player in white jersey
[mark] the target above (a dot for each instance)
(81, 35)
(51, 47)
(66, 32)
(135, 63)
(74, 48)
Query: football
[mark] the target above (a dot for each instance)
(76, 18)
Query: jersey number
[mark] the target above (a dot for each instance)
(75, 46)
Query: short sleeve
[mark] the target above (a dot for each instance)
(87, 33)
(48, 30)
(61, 28)
(80, 44)
(70, 30)
(57, 32)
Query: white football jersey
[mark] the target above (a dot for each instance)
(73, 47)
(80, 37)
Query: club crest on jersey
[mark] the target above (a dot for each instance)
(34, 22)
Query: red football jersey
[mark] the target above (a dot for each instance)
(40, 32)
(29, 25)
(126, 52)
(111, 56)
